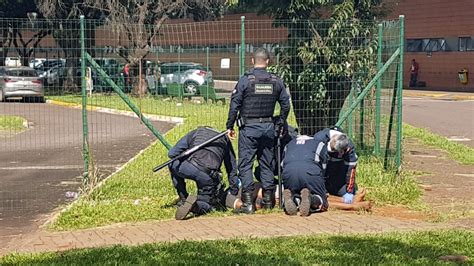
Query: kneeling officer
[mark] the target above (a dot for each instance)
(203, 166)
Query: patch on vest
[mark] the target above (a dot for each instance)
(263, 88)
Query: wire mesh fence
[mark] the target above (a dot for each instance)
(133, 83)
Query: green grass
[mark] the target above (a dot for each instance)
(422, 248)
(11, 123)
(456, 151)
(115, 201)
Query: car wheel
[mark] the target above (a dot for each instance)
(40, 99)
(191, 87)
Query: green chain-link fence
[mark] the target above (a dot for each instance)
(113, 89)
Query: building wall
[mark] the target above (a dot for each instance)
(438, 19)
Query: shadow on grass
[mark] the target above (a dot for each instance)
(395, 248)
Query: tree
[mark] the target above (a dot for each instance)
(140, 21)
(63, 19)
(11, 32)
(324, 58)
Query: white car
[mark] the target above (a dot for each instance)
(12, 61)
(191, 75)
(20, 82)
(36, 62)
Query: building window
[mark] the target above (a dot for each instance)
(466, 44)
(426, 45)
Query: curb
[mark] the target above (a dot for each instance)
(438, 95)
(152, 117)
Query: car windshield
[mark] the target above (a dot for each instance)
(21, 73)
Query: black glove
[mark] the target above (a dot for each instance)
(281, 128)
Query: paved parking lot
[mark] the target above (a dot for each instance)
(39, 165)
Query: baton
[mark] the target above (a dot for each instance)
(190, 151)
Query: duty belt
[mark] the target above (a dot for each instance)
(252, 120)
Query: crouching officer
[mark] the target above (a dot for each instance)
(342, 161)
(303, 177)
(203, 166)
(253, 101)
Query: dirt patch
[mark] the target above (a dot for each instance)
(446, 184)
(403, 213)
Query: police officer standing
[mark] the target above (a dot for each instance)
(252, 105)
(203, 166)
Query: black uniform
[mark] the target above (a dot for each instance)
(203, 166)
(304, 167)
(289, 134)
(253, 100)
(341, 167)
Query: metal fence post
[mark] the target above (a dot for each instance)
(242, 46)
(378, 92)
(85, 128)
(208, 70)
(399, 92)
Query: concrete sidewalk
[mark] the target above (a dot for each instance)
(211, 228)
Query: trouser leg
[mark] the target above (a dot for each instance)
(178, 180)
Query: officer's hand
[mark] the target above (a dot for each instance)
(348, 198)
(231, 134)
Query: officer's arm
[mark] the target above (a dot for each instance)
(284, 101)
(181, 146)
(236, 102)
(231, 169)
(350, 159)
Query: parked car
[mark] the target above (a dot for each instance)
(191, 75)
(50, 71)
(53, 75)
(20, 82)
(13, 61)
(36, 62)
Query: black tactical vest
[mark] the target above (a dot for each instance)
(212, 155)
(261, 95)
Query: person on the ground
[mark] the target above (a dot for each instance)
(202, 166)
(336, 148)
(414, 73)
(252, 105)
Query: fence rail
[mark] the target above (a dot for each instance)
(113, 89)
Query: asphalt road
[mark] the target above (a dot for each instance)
(39, 165)
(453, 119)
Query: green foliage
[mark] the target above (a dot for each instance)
(456, 151)
(421, 248)
(11, 123)
(16, 8)
(325, 59)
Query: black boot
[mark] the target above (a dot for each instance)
(247, 204)
(268, 201)
(186, 208)
(180, 201)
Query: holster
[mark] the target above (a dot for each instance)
(240, 122)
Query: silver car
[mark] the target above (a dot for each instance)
(191, 75)
(20, 82)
